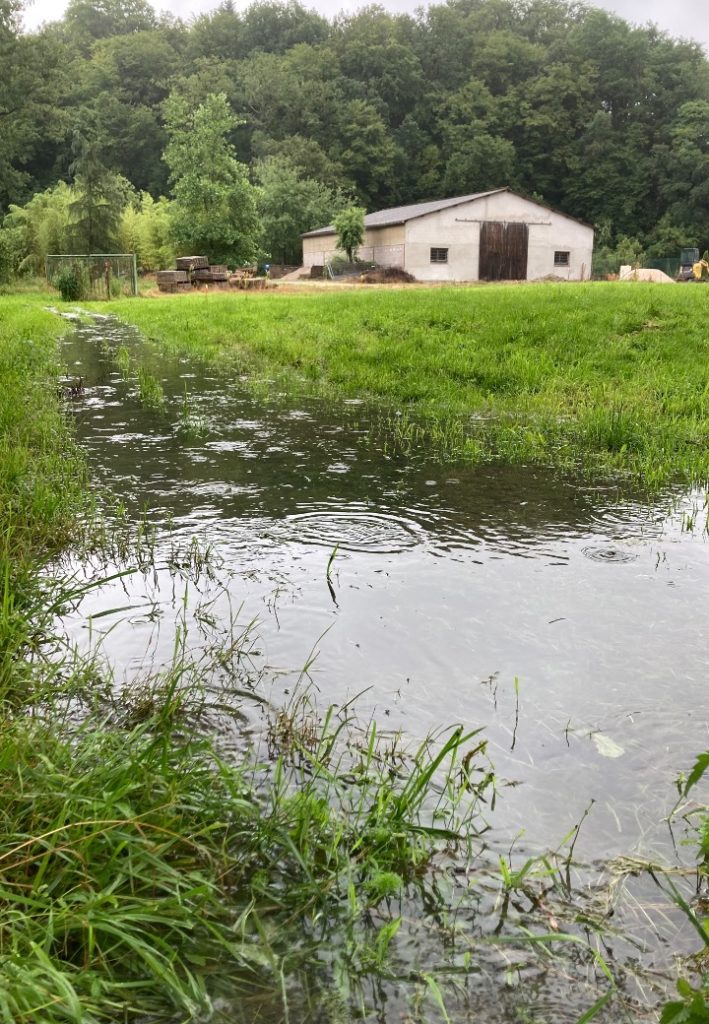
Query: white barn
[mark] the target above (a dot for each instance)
(489, 236)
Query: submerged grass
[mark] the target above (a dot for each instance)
(606, 377)
(142, 876)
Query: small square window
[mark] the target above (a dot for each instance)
(439, 255)
(562, 259)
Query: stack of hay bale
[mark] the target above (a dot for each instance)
(190, 271)
(173, 280)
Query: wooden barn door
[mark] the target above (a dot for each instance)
(503, 251)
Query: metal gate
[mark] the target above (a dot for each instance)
(100, 275)
(503, 251)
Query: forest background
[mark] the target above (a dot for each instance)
(125, 130)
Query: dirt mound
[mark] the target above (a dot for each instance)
(641, 274)
(387, 275)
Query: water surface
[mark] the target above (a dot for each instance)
(565, 620)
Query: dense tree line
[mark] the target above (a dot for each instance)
(561, 101)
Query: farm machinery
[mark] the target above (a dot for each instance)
(691, 267)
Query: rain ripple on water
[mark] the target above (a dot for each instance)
(352, 529)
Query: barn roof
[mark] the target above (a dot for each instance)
(402, 214)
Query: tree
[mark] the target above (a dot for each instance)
(217, 34)
(214, 210)
(289, 205)
(300, 92)
(367, 151)
(41, 226)
(609, 258)
(482, 162)
(349, 225)
(373, 49)
(122, 88)
(98, 199)
(668, 238)
(145, 229)
(10, 253)
(30, 71)
(686, 171)
(275, 27)
(89, 20)
(308, 158)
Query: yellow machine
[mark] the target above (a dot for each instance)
(700, 269)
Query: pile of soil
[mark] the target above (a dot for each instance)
(645, 274)
(387, 275)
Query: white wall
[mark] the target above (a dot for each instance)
(457, 228)
(384, 246)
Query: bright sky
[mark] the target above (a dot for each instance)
(686, 18)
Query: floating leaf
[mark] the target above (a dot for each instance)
(607, 747)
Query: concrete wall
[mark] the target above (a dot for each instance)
(458, 229)
(384, 246)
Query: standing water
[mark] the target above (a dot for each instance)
(564, 620)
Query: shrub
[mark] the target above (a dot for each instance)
(72, 283)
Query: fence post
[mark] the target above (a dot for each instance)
(135, 275)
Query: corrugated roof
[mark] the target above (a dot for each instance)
(400, 214)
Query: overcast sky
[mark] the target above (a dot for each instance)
(687, 18)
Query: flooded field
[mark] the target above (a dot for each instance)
(560, 617)
(563, 619)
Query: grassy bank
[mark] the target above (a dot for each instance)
(43, 492)
(42, 479)
(607, 377)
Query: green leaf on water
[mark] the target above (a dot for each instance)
(607, 747)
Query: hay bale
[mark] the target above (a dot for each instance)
(171, 280)
(192, 263)
(172, 276)
(251, 283)
(210, 274)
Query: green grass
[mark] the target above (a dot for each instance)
(42, 478)
(142, 875)
(604, 377)
(43, 495)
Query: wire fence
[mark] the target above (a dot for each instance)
(669, 266)
(97, 275)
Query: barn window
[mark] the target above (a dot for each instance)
(562, 259)
(439, 255)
